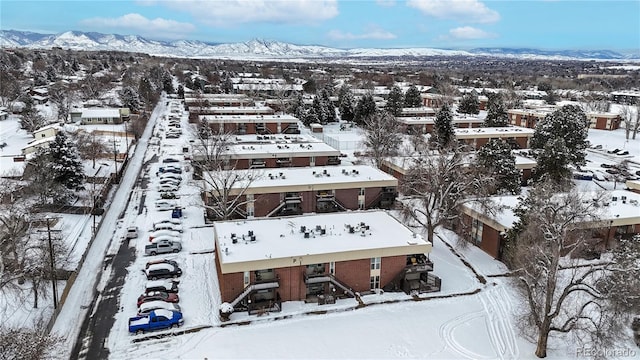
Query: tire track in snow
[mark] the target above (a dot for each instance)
(446, 334)
(499, 325)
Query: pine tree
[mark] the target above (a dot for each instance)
(320, 109)
(395, 101)
(65, 163)
(365, 109)
(167, 83)
(346, 103)
(496, 114)
(568, 123)
(129, 99)
(329, 109)
(412, 97)
(553, 162)
(443, 134)
(469, 104)
(496, 157)
(181, 91)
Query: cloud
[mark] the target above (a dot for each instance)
(139, 23)
(469, 33)
(372, 32)
(234, 12)
(462, 10)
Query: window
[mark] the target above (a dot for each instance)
(361, 193)
(375, 282)
(476, 231)
(246, 279)
(332, 268)
(375, 263)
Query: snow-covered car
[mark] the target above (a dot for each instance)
(164, 176)
(168, 232)
(167, 226)
(147, 307)
(158, 296)
(165, 205)
(170, 159)
(166, 285)
(160, 261)
(173, 182)
(162, 271)
(167, 188)
(164, 238)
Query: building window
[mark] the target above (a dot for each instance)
(332, 268)
(375, 263)
(375, 282)
(246, 279)
(361, 193)
(476, 231)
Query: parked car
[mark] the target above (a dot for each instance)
(170, 160)
(156, 320)
(158, 296)
(162, 238)
(165, 285)
(132, 232)
(167, 188)
(169, 196)
(162, 247)
(148, 307)
(165, 205)
(170, 169)
(167, 226)
(157, 233)
(161, 261)
(172, 182)
(170, 176)
(162, 271)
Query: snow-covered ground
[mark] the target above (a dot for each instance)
(467, 319)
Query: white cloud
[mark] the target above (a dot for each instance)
(462, 10)
(233, 12)
(372, 32)
(469, 33)
(158, 26)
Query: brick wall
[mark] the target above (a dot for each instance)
(349, 197)
(354, 274)
(265, 203)
(390, 267)
(292, 287)
(300, 161)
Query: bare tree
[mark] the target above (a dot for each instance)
(630, 115)
(29, 343)
(560, 292)
(382, 136)
(224, 187)
(437, 184)
(89, 146)
(32, 121)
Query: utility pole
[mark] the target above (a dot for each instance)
(53, 268)
(115, 158)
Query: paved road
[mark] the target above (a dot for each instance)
(97, 307)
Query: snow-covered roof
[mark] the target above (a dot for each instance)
(430, 120)
(617, 213)
(234, 109)
(100, 113)
(280, 242)
(507, 131)
(314, 178)
(248, 118)
(259, 151)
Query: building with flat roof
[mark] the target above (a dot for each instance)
(530, 117)
(619, 216)
(424, 124)
(317, 258)
(517, 136)
(252, 124)
(294, 191)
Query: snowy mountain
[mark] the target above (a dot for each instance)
(265, 49)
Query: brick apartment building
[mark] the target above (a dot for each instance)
(252, 124)
(518, 137)
(530, 117)
(424, 125)
(620, 217)
(320, 189)
(318, 258)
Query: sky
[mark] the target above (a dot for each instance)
(449, 24)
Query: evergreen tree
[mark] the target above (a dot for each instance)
(553, 162)
(496, 114)
(167, 83)
(320, 109)
(469, 104)
(497, 159)
(365, 109)
(146, 91)
(412, 97)
(65, 163)
(443, 134)
(329, 110)
(395, 101)
(346, 103)
(181, 91)
(568, 123)
(129, 99)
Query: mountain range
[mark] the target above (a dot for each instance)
(266, 49)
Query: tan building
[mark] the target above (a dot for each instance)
(318, 258)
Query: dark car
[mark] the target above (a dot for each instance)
(158, 295)
(162, 271)
(166, 285)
